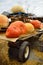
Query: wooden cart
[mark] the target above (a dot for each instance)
(19, 48)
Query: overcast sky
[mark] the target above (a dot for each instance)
(34, 6)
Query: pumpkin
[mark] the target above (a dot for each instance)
(30, 27)
(36, 23)
(4, 22)
(16, 29)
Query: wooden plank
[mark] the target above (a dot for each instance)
(22, 37)
(3, 37)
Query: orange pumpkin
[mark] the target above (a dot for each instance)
(13, 32)
(41, 26)
(36, 23)
(16, 29)
(21, 25)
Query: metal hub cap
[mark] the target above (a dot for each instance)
(26, 52)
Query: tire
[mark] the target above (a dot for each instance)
(40, 48)
(13, 53)
(24, 51)
(39, 45)
(5, 13)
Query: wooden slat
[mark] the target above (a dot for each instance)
(22, 37)
(3, 37)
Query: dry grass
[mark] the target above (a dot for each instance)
(38, 54)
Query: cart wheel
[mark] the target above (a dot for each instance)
(39, 45)
(6, 13)
(24, 51)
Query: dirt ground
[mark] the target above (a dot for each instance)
(4, 57)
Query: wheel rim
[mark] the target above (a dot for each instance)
(26, 52)
(9, 19)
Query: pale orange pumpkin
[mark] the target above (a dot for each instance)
(30, 27)
(3, 21)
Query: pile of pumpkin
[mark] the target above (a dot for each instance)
(17, 28)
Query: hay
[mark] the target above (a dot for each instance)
(17, 8)
(38, 54)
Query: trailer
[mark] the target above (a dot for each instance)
(19, 48)
(25, 17)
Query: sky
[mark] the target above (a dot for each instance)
(31, 6)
